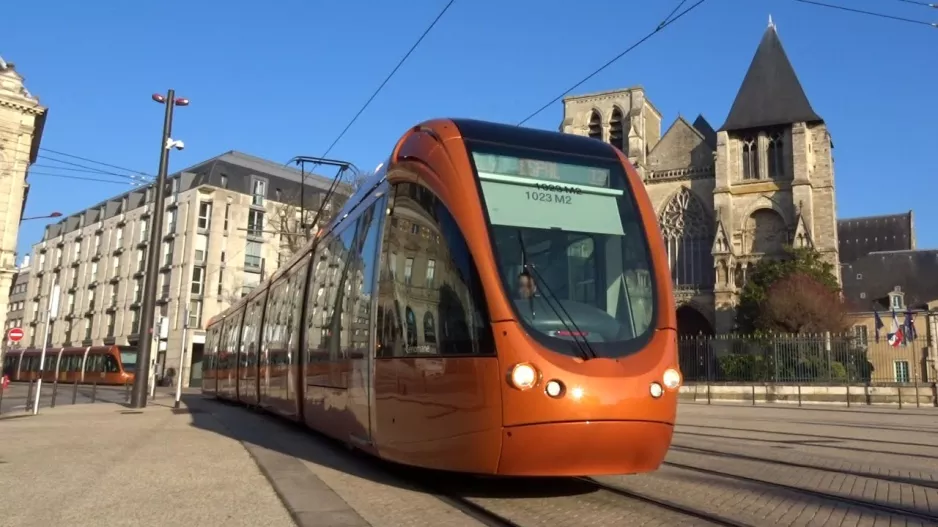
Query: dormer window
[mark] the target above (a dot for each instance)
(897, 299)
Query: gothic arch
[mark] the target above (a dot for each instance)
(687, 229)
(594, 124)
(619, 127)
(765, 232)
(692, 321)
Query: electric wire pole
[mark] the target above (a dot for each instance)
(138, 395)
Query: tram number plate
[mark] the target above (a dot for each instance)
(546, 193)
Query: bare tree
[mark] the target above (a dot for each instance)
(286, 221)
(800, 303)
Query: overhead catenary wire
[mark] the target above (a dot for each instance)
(670, 19)
(870, 13)
(388, 78)
(138, 177)
(917, 2)
(340, 174)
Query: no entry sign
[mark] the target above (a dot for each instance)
(15, 334)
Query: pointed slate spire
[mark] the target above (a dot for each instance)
(771, 93)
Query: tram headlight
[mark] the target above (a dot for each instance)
(671, 379)
(524, 376)
(554, 389)
(656, 390)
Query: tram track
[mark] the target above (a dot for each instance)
(665, 504)
(857, 502)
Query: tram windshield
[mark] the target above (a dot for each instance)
(129, 360)
(571, 248)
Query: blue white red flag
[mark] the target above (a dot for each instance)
(878, 324)
(895, 336)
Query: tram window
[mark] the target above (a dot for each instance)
(451, 294)
(110, 364)
(252, 322)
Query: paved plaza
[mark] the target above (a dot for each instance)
(211, 463)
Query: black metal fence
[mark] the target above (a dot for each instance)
(21, 396)
(822, 359)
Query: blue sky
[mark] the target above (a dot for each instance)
(283, 79)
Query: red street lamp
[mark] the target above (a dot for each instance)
(51, 215)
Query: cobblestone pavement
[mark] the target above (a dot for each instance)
(801, 467)
(736, 465)
(740, 465)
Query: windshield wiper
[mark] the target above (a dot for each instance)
(585, 353)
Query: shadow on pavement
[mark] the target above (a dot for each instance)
(290, 439)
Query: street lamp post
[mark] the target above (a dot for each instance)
(138, 396)
(50, 215)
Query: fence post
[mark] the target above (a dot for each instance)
(850, 358)
(127, 392)
(94, 391)
(55, 391)
(830, 363)
(29, 396)
(915, 355)
(75, 391)
(2, 389)
(708, 358)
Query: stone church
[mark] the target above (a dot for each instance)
(726, 198)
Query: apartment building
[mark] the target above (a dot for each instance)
(16, 307)
(228, 222)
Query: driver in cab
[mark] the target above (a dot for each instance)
(527, 289)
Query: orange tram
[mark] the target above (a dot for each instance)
(494, 300)
(87, 365)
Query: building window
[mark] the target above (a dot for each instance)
(119, 238)
(88, 323)
(195, 314)
(198, 278)
(138, 290)
(252, 255)
(115, 265)
(140, 256)
(201, 248)
(258, 192)
(97, 243)
(408, 270)
(134, 322)
(775, 156)
(431, 272)
(860, 332)
(750, 158)
(167, 253)
(110, 324)
(901, 370)
(205, 214)
(596, 126)
(686, 227)
(91, 300)
(171, 221)
(224, 181)
(221, 280)
(227, 212)
(895, 302)
(255, 223)
(143, 230)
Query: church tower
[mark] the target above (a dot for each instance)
(774, 175)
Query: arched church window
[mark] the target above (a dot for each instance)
(688, 236)
(616, 135)
(774, 156)
(766, 232)
(596, 126)
(750, 158)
